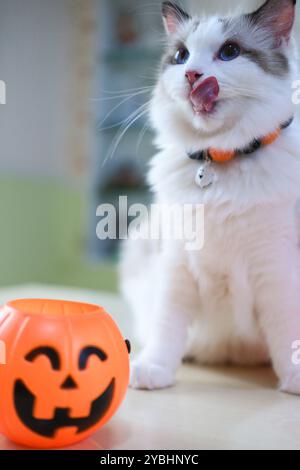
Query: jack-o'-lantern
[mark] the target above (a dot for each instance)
(66, 372)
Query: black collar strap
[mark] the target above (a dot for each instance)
(220, 156)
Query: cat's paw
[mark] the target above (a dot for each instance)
(145, 375)
(291, 384)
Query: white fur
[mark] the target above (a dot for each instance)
(238, 299)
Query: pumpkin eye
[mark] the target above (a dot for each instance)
(181, 56)
(90, 351)
(229, 51)
(50, 353)
(128, 345)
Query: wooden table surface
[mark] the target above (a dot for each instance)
(209, 408)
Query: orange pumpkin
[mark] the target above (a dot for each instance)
(66, 374)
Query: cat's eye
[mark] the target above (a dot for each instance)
(229, 51)
(181, 56)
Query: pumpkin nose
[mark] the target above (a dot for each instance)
(69, 383)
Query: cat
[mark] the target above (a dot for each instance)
(225, 83)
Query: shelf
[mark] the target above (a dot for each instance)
(130, 54)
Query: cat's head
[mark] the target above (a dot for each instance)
(224, 80)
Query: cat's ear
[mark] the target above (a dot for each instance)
(173, 16)
(277, 17)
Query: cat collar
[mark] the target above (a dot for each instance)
(223, 156)
(206, 177)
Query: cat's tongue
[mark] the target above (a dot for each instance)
(204, 96)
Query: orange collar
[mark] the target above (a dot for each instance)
(221, 156)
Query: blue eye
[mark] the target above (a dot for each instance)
(229, 51)
(181, 56)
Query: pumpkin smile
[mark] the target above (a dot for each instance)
(24, 402)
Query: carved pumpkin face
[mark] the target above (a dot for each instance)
(67, 371)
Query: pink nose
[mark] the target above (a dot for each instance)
(192, 76)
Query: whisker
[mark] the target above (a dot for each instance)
(145, 128)
(135, 116)
(120, 123)
(128, 98)
(117, 141)
(121, 92)
(234, 90)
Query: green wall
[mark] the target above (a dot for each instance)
(43, 236)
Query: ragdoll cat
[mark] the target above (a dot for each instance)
(224, 95)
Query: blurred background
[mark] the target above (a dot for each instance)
(71, 68)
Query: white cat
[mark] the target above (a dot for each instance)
(224, 82)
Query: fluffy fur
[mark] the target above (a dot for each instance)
(238, 299)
